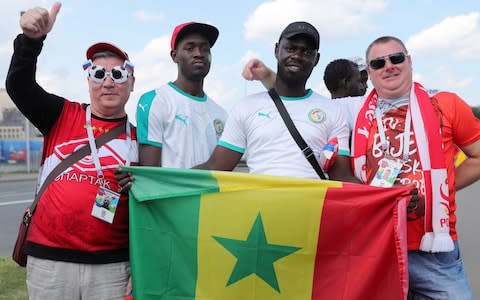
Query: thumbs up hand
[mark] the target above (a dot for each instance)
(38, 21)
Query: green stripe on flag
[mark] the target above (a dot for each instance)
(166, 261)
(161, 183)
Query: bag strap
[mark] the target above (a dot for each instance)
(69, 161)
(306, 150)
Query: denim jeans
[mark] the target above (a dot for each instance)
(437, 276)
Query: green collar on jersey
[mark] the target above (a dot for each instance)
(199, 99)
(307, 95)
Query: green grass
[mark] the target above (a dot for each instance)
(12, 280)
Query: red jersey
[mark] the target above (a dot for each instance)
(62, 227)
(459, 127)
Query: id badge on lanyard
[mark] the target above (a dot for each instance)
(106, 200)
(387, 173)
(389, 167)
(106, 203)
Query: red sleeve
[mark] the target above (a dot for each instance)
(465, 126)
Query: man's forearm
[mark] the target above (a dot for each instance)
(269, 81)
(222, 159)
(467, 173)
(40, 107)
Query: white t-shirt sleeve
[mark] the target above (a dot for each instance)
(341, 131)
(234, 135)
(151, 116)
(350, 106)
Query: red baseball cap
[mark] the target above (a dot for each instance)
(105, 46)
(208, 31)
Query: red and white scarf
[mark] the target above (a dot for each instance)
(426, 127)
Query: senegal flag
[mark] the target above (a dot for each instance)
(207, 235)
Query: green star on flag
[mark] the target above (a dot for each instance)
(255, 255)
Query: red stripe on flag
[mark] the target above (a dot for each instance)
(360, 254)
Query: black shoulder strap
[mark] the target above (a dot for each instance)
(306, 150)
(73, 158)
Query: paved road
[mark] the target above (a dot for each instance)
(15, 196)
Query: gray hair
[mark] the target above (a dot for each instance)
(106, 53)
(383, 40)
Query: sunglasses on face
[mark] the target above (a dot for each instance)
(395, 58)
(98, 74)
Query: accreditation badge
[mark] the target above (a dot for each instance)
(105, 206)
(388, 170)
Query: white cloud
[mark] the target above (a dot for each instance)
(459, 84)
(50, 82)
(62, 82)
(153, 65)
(6, 48)
(333, 18)
(9, 26)
(146, 16)
(249, 55)
(450, 81)
(443, 78)
(9, 22)
(459, 35)
(153, 68)
(219, 91)
(321, 88)
(418, 77)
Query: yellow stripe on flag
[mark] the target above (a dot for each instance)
(459, 158)
(290, 218)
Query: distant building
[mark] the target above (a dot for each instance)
(14, 155)
(12, 122)
(5, 103)
(12, 132)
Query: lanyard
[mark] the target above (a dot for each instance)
(93, 148)
(406, 133)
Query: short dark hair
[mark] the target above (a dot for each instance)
(336, 71)
(476, 111)
(383, 40)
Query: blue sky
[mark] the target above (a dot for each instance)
(443, 37)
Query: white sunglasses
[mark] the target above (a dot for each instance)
(119, 74)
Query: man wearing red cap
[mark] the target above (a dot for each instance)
(178, 124)
(77, 248)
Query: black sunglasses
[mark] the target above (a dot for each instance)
(395, 58)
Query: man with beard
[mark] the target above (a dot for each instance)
(178, 124)
(343, 79)
(256, 129)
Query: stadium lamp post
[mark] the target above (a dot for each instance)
(27, 145)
